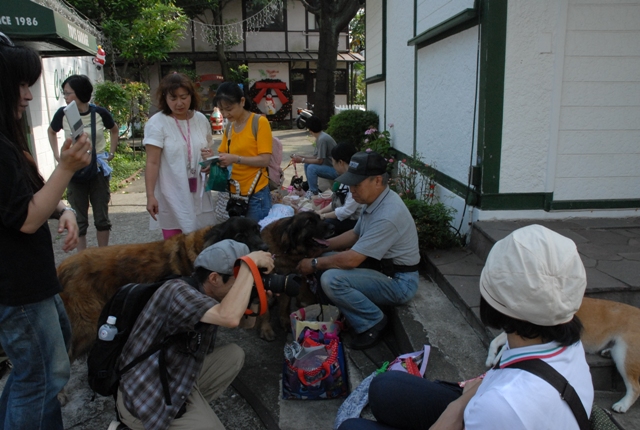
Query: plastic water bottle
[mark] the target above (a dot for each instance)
(109, 330)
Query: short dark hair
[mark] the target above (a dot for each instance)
(314, 124)
(343, 152)
(169, 84)
(81, 85)
(230, 92)
(565, 334)
(201, 274)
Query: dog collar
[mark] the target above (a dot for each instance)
(255, 272)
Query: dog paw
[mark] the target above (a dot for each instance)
(267, 334)
(621, 406)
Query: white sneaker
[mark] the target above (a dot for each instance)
(310, 195)
(117, 425)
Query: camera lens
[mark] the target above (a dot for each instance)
(288, 284)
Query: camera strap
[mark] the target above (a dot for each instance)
(255, 272)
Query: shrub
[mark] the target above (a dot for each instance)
(125, 163)
(349, 126)
(433, 224)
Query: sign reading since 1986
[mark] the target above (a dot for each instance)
(19, 20)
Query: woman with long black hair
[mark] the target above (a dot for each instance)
(34, 327)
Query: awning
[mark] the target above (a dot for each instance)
(266, 56)
(44, 30)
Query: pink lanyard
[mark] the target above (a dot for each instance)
(187, 139)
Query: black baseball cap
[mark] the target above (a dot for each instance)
(362, 166)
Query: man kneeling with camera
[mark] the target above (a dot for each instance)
(197, 373)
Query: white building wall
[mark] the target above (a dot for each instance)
(530, 56)
(430, 13)
(400, 93)
(445, 89)
(47, 98)
(376, 99)
(599, 126)
(374, 38)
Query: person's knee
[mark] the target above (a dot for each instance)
(235, 354)
(381, 386)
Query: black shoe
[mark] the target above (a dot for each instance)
(369, 338)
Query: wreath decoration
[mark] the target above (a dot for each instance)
(260, 89)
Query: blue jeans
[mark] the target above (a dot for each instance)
(259, 204)
(313, 171)
(34, 336)
(359, 292)
(403, 401)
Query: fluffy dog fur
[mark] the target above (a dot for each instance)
(609, 327)
(290, 240)
(90, 278)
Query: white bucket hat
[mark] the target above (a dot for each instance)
(534, 275)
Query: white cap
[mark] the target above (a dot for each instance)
(534, 275)
(111, 320)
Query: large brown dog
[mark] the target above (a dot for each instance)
(290, 240)
(90, 278)
(607, 325)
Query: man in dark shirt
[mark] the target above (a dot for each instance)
(197, 373)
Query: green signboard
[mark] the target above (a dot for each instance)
(25, 20)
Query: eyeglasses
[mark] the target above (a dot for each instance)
(4, 40)
(65, 93)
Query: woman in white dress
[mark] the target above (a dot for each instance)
(176, 139)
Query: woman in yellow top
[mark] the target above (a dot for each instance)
(248, 154)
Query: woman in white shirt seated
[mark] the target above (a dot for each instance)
(344, 211)
(532, 285)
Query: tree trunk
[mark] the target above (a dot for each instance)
(222, 57)
(325, 80)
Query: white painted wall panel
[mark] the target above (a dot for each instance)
(296, 15)
(599, 127)
(400, 95)
(446, 88)
(268, 41)
(376, 99)
(430, 13)
(374, 38)
(528, 89)
(599, 142)
(597, 188)
(600, 93)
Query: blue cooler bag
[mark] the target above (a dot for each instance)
(316, 371)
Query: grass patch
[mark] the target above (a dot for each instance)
(124, 165)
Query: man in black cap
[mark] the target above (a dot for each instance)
(384, 240)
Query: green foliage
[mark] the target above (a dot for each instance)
(240, 75)
(361, 87)
(150, 35)
(183, 65)
(125, 163)
(409, 183)
(350, 126)
(433, 224)
(113, 97)
(380, 142)
(357, 32)
(128, 103)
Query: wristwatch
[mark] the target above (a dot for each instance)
(67, 209)
(314, 264)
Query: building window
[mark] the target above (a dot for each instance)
(252, 7)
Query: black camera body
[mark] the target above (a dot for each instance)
(237, 206)
(288, 284)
